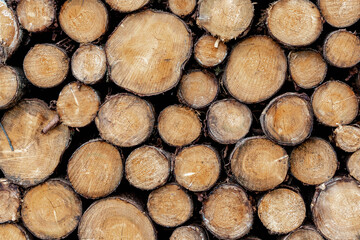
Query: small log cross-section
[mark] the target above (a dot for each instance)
(353, 165)
(340, 13)
(12, 85)
(227, 212)
(95, 169)
(51, 210)
(258, 164)
(182, 8)
(209, 52)
(170, 205)
(192, 232)
(347, 137)
(11, 231)
(147, 51)
(147, 167)
(256, 69)
(125, 120)
(126, 5)
(9, 201)
(304, 233)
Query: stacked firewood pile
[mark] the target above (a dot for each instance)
(179, 119)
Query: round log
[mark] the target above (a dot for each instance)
(304, 233)
(191, 232)
(209, 52)
(127, 5)
(347, 137)
(12, 85)
(182, 8)
(11, 231)
(353, 165)
(9, 201)
(340, 13)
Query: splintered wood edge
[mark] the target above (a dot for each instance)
(10, 201)
(21, 84)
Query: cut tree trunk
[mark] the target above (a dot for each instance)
(307, 68)
(227, 212)
(353, 165)
(46, 65)
(147, 51)
(198, 89)
(209, 51)
(179, 126)
(340, 13)
(36, 15)
(294, 22)
(126, 5)
(83, 20)
(88, 64)
(115, 218)
(342, 49)
(334, 103)
(304, 233)
(147, 167)
(11, 231)
(182, 8)
(256, 69)
(12, 83)
(347, 137)
(288, 119)
(313, 162)
(125, 120)
(225, 19)
(51, 210)
(170, 205)
(35, 155)
(95, 169)
(77, 105)
(335, 208)
(9, 201)
(259, 164)
(281, 211)
(191, 232)
(197, 168)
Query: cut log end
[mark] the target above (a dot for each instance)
(147, 168)
(46, 65)
(191, 232)
(51, 210)
(95, 169)
(281, 211)
(182, 7)
(208, 52)
(304, 233)
(227, 213)
(11, 86)
(9, 201)
(127, 5)
(259, 164)
(347, 137)
(11, 231)
(353, 165)
(340, 13)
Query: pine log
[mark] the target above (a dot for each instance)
(35, 155)
(288, 119)
(182, 8)
(334, 103)
(294, 22)
(281, 211)
(256, 69)
(83, 20)
(197, 167)
(147, 51)
(36, 15)
(191, 232)
(95, 169)
(11, 231)
(115, 218)
(313, 162)
(88, 64)
(170, 206)
(225, 19)
(9, 201)
(259, 164)
(307, 68)
(125, 120)
(126, 5)
(178, 126)
(51, 210)
(304, 233)
(342, 49)
(77, 105)
(209, 51)
(147, 167)
(46, 65)
(335, 209)
(198, 89)
(340, 13)
(347, 137)
(353, 165)
(12, 83)
(227, 212)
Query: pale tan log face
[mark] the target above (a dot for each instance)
(133, 52)
(227, 212)
(281, 210)
(114, 218)
(182, 7)
(9, 201)
(147, 168)
(188, 233)
(342, 49)
(347, 138)
(256, 69)
(226, 19)
(170, 205)
(51, 210)
(95, 169)
(125, 120)
(259, 164)
(353, 165)
(36, 15)
(46, 65)
(35, 154)
(209, 52)
(336, 210)
(9, 85)
(313, 162)
(304, 234)
(294, 22)
(340, 13)
(126, 5)
(11, 231)
(334, 103)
